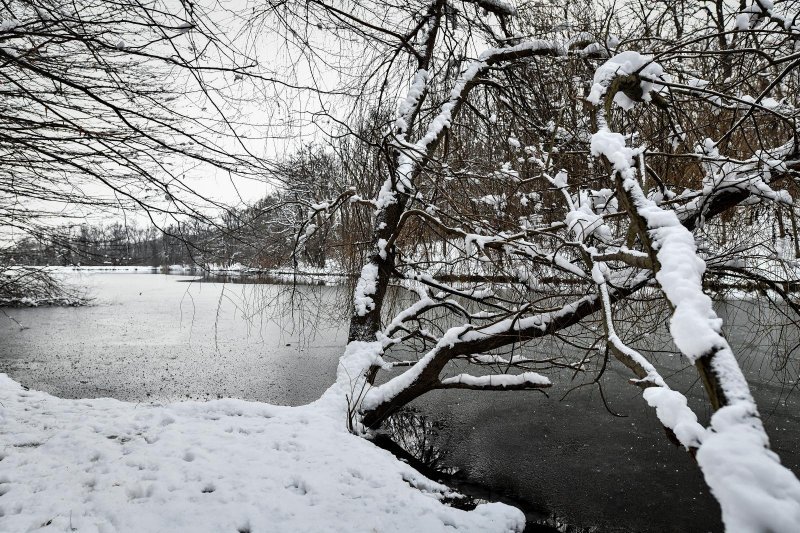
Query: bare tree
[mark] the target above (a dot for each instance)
(568, 173)
(110, 105)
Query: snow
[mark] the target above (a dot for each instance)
(583, 222)
(412, 100)
(387, 196)
(383, 393)
(623, 64)
(358, 357)
(565, 264)
(476, 243)
(409, 312)
(533, 45)
(8, 25)
(365, 286)
(103, 466)
(755, 492)
(497, 360)
(742, 21)
(444, 118)
(382, 244)
(560, 179)
(612, 146)
(501, 7)
(498, 201)
(499, 380)
(673, 411)
(604, 200)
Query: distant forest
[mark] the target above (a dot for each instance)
(291, 225)
(237, 237)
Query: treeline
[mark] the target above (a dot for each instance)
(263, 235)
(106, 244)
(116, 243)
(221, 242)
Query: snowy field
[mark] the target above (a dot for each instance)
(223, 466)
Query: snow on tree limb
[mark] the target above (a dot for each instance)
(411, 158)
(671, 406)
(498, 7)
(524, 381)
(467, 339)
(734, 454)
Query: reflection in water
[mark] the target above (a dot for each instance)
(425, 443)
(421, 437)
(272, 278)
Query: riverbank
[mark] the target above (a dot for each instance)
(227, 465)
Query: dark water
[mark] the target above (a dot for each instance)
(585, 466)
(153, 338)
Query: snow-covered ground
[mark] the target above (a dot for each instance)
(223, 466)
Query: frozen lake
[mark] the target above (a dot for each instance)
(155, 338)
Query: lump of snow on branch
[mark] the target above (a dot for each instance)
(366, 286)
(584, 222)
(498, 201)
(742, 21)
(499, 380)
(496, 359)
(476, 243)
(533, 45)
(755, 492)
(358, 357)
(624, 64)
(410, 102)
(694, 325)
(560, 180)
(382, 245)
(612, 146)
(672, 410)
(498, 7)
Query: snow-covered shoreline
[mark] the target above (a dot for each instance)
(195, 269)
(105, 466)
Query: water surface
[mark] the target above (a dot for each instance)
(161, 338)
(154, 337)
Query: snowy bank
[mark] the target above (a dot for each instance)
(223, 466)
(331, 269)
